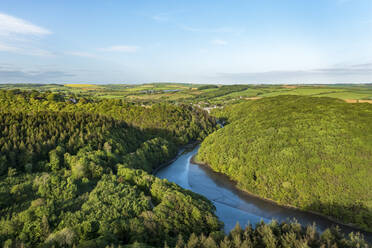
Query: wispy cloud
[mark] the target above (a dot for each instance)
(347, 74)
(18, 36)
(121, 48)
(36, 52)
(219, 42)
(365, 66)
(81, 54)
(160, 17)
(16, 75)
(231, 30)
(10, 25)
(8, 48)
(25, 49)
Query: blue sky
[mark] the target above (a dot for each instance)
(199, 41)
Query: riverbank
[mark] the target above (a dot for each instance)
(225, 177)
(180, 152)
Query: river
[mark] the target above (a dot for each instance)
(233, 205)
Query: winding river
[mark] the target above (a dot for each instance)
(232, 204)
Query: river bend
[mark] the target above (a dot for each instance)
(232, 204)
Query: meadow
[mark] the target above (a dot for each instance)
(201, 94)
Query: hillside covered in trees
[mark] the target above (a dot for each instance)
(180, 123)
(78, 174)
(312, 153)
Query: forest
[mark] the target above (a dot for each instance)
(306, 152)
(80, 173)
(76, 172)
(273, 235)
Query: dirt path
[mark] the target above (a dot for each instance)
(357, 101)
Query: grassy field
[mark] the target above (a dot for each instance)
(82, 85)
(204, 95)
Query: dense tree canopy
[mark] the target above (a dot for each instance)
(273, 235)
(28, 139)
(180, 123)
(313, 153)
(77, 175)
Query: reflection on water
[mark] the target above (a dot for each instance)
(232, 204)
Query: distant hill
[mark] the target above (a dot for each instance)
(205, 95)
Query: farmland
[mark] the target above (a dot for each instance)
(205, 95)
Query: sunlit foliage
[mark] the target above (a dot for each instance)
(312, 153)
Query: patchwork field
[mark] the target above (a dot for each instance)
(201, 94)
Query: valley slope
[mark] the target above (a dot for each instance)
(75, 172)
(311, 153)
(78, 174)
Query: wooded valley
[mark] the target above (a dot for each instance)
(79, 174)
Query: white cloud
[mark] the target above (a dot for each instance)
(17, 36)
(12, 25)
(219, 42)
(11, 74)
(121, 48)
(25, 50)
(223, 30)
(160, 17)
(81, 54)
(7, 48)
(357, 73)
(36, 52)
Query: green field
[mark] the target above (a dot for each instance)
(204, 95)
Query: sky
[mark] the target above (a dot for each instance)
(187, 41)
